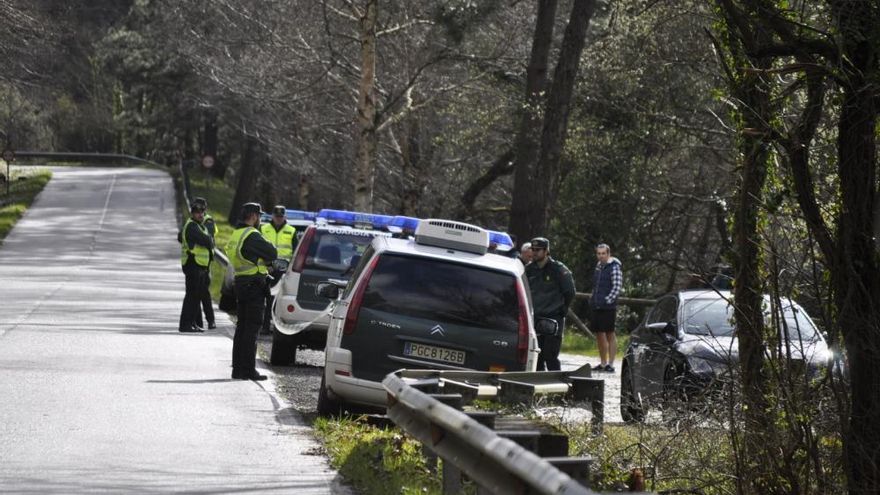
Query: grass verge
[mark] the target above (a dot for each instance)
(24, 186)
(376, 461)
(574, 342)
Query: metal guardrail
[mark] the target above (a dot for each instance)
(82, 157)
(496, 463)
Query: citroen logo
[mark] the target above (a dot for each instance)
(438, 330)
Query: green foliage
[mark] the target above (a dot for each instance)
(25, 185)
(574, 342)
(376, 461)
(670, 458)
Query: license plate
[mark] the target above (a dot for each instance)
(432, 352)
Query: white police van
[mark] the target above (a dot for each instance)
(438, 301)
(328, 250)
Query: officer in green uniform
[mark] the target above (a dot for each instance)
(553, 290)
(250, 254)
(195, 255)
(283, 236)
(207, 304)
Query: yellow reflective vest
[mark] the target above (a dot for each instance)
(201, 255)
(281, 239)
(240, 265)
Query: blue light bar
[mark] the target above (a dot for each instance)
(354, 218)
(265, 217)
(403, 224)
(501, 240)
(301, 215)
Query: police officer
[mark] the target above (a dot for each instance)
(282, 235)
(195, 247)
(207, 304)
(553, 290)
(249, 253)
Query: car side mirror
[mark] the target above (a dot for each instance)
(546, 326)
(666, 329)
(327, 290)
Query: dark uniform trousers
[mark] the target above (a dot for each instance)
(196, 285)
(251, 293)
(548, 358)
(207, 304)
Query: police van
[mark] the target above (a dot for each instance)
(328, 250)
(439, 300)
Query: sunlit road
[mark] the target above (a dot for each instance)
(98, 390)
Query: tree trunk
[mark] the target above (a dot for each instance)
(555, 131)
(856, 274)
(303, 192)
(210, 142)
(753, 90)
(414, 156)
(366, 118)
(526, 145)
(503, 166)
(248, 173)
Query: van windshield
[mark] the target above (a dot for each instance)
(715, 317)
(443, 291)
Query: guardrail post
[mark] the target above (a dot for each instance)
(451, 479)
(591, 390)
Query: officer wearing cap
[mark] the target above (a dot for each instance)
(207, 304)
(250, 254)
(195, 255)
(282, 235)
(553, 290)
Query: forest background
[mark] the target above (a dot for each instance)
(686, 134)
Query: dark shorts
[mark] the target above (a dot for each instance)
(602, 320)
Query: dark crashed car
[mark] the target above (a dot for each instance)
(687, 346)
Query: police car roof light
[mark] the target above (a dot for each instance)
(352, 218)
(301, 215)
(401, 223)
(452, 235)
(501, 239)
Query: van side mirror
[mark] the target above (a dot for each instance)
(546, 326)
(327, 290)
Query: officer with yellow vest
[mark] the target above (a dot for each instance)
(283, 236)
(250, 254)
(207, 303)
(195, 255)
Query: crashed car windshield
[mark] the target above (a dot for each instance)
(715, 317)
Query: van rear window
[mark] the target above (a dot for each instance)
(443, 291)
(336, 251)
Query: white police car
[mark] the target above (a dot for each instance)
(328, 250)
(438, 301)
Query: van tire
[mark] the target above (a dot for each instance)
(283, 348)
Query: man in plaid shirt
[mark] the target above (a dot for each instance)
(607, 283)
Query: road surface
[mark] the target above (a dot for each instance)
(99, 390)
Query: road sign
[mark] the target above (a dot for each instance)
(9, 155)
(207, 161)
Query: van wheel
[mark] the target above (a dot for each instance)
(630, 409)
(283, 349)
(326, 405)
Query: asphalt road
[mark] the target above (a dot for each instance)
(100, 393)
